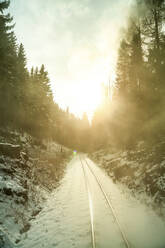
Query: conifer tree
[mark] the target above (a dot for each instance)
(122, 71)
(7, 58)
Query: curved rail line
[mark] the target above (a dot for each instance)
(109, 203)
(90, 208)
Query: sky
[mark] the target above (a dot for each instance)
(77, 41)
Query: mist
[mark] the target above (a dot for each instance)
(76, 40)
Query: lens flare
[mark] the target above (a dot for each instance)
(74, 152)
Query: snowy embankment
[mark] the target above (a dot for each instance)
(141, 169)
(29, 170)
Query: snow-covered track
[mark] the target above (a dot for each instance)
(90, 207)
(109, 203)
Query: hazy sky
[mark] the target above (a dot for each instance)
(76, 40)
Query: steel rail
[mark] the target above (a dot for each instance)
(90, 207)
(127, 245)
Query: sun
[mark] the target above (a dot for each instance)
(83, 91)
(87, 97)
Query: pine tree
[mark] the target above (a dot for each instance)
(153, 26)
(21, 87)
(7, 65)
(4, 5)
(122, 71)
(5, 55)
(45, 82)
(136, 68)
(22, 63)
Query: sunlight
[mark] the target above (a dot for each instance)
(88, 97)
(83, 93)
(87, 74)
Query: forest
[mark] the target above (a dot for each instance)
(26, 98)
(136, 110)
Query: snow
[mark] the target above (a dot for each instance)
(141, 169)
(4, 241)
(64, 221)
(26, 182)
(162, 164)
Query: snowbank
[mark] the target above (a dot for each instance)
(29, 170)
(142, 169)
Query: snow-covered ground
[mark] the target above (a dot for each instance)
(64, 221)
(141, 168)
(26, 180)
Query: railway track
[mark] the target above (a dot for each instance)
(84, 164)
